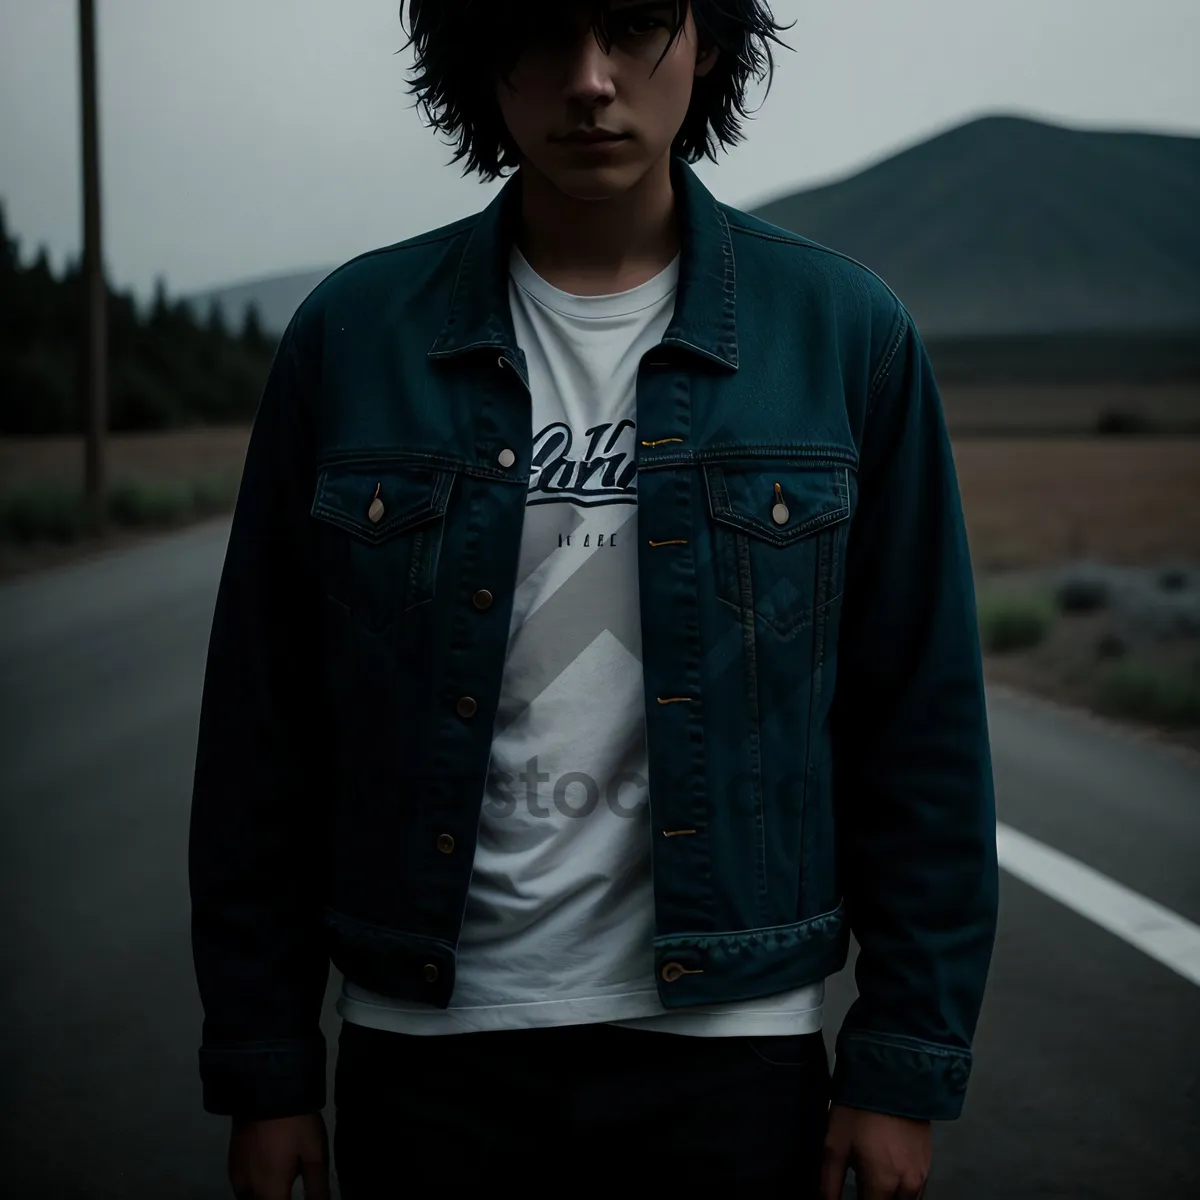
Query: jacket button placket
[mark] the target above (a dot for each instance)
(468, 706)
(670, 640)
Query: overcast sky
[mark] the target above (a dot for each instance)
(251, 137)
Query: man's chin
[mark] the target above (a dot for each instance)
(594, 183)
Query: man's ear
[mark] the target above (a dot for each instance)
(706, 60)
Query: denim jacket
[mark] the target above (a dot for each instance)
(818, 752)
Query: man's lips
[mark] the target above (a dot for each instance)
(586, 138)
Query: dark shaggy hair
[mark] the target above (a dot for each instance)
(464, 46)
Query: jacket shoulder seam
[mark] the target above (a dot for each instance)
(899, 328)
(432, 237)
(895, 334)
(803, 243)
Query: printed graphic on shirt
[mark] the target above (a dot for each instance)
(598, 468)
(577, 578)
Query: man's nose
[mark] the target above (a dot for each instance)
(589, 76)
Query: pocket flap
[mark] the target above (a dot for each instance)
(408, 494)
(746, 496)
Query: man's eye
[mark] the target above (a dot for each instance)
(636, 26)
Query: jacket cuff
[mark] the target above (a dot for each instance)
(900, 1076)
(261, 1080)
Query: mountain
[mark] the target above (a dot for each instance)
(277, 298)
(1006, 226)
(1001, 227)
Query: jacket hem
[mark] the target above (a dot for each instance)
(715, 968)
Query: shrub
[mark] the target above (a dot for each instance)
(43, 512)
(1148, 693)
(1119, 422)
(59, 512)
(150, 504)
(1080, 595)
(1013, 622)
(215, 493)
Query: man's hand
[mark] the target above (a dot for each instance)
(890, 1155)
(266, 1156)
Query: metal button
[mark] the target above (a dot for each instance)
(445, 843)
(506, 458)
(779, 513)
(375, 512)
(482, 599)
(466, 706)
(672, 971)
(430, 972)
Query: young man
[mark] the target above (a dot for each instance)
(595, 651)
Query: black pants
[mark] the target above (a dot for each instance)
(581, 1110)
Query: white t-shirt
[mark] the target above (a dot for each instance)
(559, 918)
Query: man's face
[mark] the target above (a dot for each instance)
(564, 83)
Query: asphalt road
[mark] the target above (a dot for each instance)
(1087, 1076)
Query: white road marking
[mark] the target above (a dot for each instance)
(1154, 930)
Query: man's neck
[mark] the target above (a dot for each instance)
(597, 247)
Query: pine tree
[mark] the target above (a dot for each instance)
(216, 322)
(253, 337)
(169, 365)
(160, 312)
(9, 259)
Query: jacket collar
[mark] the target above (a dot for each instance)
(704, 320)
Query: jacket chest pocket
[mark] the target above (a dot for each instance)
(778, 538)
(380, 537)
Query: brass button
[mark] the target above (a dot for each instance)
(466, 706)
(445, 843)
(672, 971)
(506, 458)
(375, 512)
(430, 972)
(779, 512)
(482, 599)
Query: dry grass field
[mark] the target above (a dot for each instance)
(1054, 409)
(1037, 501)
(148, 457)
(150, 460)
(1029, 501)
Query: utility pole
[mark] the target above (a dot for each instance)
(94, 356)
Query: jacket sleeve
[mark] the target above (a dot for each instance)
(916, 819)
(257, 873)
